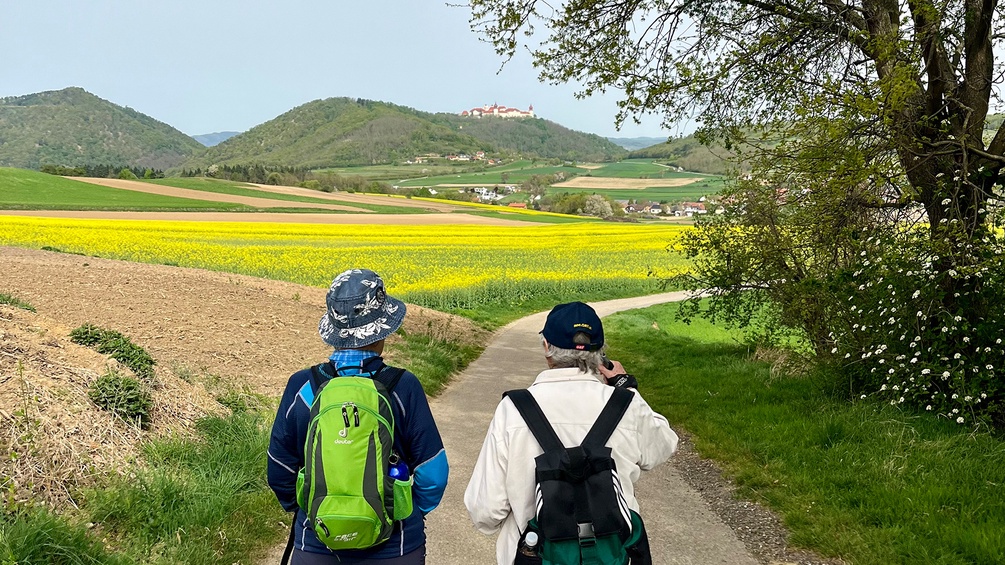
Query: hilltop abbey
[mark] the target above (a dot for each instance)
(498, 112)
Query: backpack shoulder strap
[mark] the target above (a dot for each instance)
(317, 377)
(389, 377)
(535, 419)
(609, 418)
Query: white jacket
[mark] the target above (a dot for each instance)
(500, 496)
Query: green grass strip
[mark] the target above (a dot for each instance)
(197, 502)
(11, 300)
(867, 483)
(31, 190)
(35, 536)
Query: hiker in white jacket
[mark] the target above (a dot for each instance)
(571, 393)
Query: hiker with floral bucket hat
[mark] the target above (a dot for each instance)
(308, 461)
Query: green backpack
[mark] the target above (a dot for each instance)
(344, 487)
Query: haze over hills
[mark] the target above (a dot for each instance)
(73, 127)
(216, 138)
(348, 132)
(689, 154)
(633, 143)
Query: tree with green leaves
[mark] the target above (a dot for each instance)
(869, 217)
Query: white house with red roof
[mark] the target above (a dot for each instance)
(498, 111)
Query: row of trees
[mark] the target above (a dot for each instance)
(870, 219)
(102, 171)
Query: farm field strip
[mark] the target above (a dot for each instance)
(255, 201)
(623, 183)
(389, 201)
(31, 190)
(445, 266)
(305, 218)
(370, 203)
(491, 176)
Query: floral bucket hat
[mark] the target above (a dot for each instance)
(359, 311)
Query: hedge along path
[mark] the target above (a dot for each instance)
(682, 527)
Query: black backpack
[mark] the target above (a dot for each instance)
(582, 515)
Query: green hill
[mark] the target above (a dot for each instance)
(536, 136)
(688, 154)
(72, 127)
(339, 132)
(691, 155)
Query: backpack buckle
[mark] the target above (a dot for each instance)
(586, 534)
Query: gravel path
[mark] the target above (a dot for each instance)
(683, 529)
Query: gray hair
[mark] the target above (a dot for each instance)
(585, 361)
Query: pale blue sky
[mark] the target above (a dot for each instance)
(204, 66)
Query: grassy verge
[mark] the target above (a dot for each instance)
(37, 536)
(198, 501)
(869, 484)
(434, 361)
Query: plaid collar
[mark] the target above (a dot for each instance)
(352, 360)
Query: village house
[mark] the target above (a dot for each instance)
(690, 209)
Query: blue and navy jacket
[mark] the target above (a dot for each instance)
(415, 437)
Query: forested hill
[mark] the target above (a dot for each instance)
(73, 127)
(347, 132)
(536, 136)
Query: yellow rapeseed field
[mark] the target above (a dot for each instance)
(439, 266)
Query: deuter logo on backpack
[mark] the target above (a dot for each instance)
(582, 516)
(345, 488)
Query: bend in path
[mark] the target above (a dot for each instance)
(683, 529)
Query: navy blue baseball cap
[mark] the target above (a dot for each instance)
(566, 320)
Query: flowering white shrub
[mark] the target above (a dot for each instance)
(925, 328)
